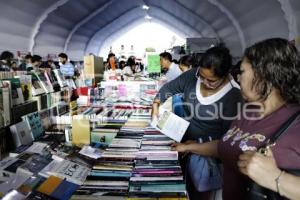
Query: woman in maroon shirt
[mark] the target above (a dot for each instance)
(270, 79)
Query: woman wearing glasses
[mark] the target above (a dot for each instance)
(211, 99)
(270, 78)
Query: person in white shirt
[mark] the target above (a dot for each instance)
(172, 70)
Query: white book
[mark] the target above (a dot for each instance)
(15, 90)
(37, 147)
(5, 105)
(73, 172)
(50, 168)
(90, 152)
(44, 82)
(37, 87)
(125, 143)
(60, 79)
(106, 183)
(21, 134)
(45, 118)
(171, 125)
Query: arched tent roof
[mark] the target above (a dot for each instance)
(80, 27)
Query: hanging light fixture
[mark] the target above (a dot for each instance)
(145, 7)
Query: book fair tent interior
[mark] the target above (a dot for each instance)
(148, 99)
(79, 27)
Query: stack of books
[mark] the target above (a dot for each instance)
(157, 173)
(111, 173)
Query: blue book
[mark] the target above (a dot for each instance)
(64, 191)
(34, 121)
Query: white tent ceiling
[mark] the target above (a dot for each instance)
(80, 27)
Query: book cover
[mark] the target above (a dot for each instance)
(171, 125)
(21, 134)
(26, 86)
(49, 185)
(5, 105)
(65, 190)
(12, 168)
(23, 109)
(36, 88)
(46, 171)
(44, 83)
(45, 118)
(6, 162)
(73, 172)
(34, 165)
(61, 81)
(102, 137)
(80, 131)
(16, 91)
(34, 122)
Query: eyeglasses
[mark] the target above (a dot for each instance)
(212, 84)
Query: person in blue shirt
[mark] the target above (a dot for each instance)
(66, 68)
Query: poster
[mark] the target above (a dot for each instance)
(154, 64)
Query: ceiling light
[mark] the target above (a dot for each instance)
(148, 17)
(145, 7)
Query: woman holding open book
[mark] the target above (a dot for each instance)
(211, 99)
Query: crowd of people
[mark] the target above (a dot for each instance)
(233, 112)
(120, 69)
(35, 63)
(232, 123)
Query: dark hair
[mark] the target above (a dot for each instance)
(121, 63)
(110, 55)
(36, 58)
(166, 55)
(63, 55)
(131, 61)
(276, 63)
(186, 61)
(6, 55)
(175, 61)
(28, 56)
(217, 58)
(235, 70)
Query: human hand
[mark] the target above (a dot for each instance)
(180, 147)
(155, 111)
(260, 168)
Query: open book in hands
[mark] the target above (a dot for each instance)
(171, 125)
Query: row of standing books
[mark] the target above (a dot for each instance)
(47, 88)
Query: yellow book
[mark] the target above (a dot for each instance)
(49, 185)
(81, 133)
